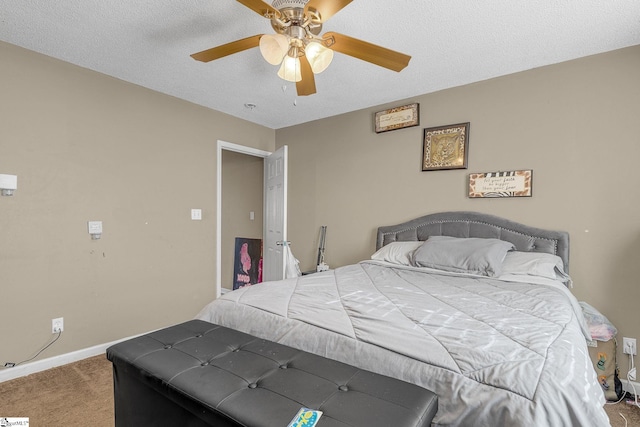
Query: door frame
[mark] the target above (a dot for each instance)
(230, 146)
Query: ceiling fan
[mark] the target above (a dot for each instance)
(297, 46)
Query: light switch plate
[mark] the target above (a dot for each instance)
(95, 227)
(8, 181)
(196, 214)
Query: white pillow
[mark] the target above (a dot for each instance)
(397, 252)
(534, 264)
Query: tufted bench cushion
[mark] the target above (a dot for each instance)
(201, 374)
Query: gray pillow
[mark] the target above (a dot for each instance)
(463, 255)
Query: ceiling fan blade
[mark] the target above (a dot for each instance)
(227, 49)
(306, 86)
(261, 8)
(326, 8)
(369, 52)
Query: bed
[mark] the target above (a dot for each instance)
(474, 307)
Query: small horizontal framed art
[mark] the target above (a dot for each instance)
(445, 147)
(398, 118)
(501, 184)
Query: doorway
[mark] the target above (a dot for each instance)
(242, 218)
(241, 149)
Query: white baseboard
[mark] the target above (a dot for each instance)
(52, 362)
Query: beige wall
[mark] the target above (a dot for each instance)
(90, 147)
(574, 124)
(242, 193)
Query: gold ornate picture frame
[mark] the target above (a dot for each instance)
(398, 118)
(445, 147)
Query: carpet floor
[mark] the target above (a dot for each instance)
(77, 394)
(81, 394)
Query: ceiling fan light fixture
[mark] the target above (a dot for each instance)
(274, 47)
(297, 47)
(319, 56)
(290, 69)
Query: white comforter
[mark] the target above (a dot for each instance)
(496, 352)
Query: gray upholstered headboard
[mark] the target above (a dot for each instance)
(475, 224)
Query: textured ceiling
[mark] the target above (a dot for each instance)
(452, 42)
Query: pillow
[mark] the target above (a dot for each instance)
(534, 264)
(463, 255)
(396, 252)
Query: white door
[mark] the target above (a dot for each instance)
(275, 215)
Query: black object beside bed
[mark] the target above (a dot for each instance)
(199, 374)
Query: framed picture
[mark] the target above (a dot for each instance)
(501, 184)
(247, 269)
(398, 118)
(445, 147)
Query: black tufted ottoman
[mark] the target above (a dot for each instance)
(201, 374)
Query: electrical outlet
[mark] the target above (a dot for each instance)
(629, 346)
(57, 325)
